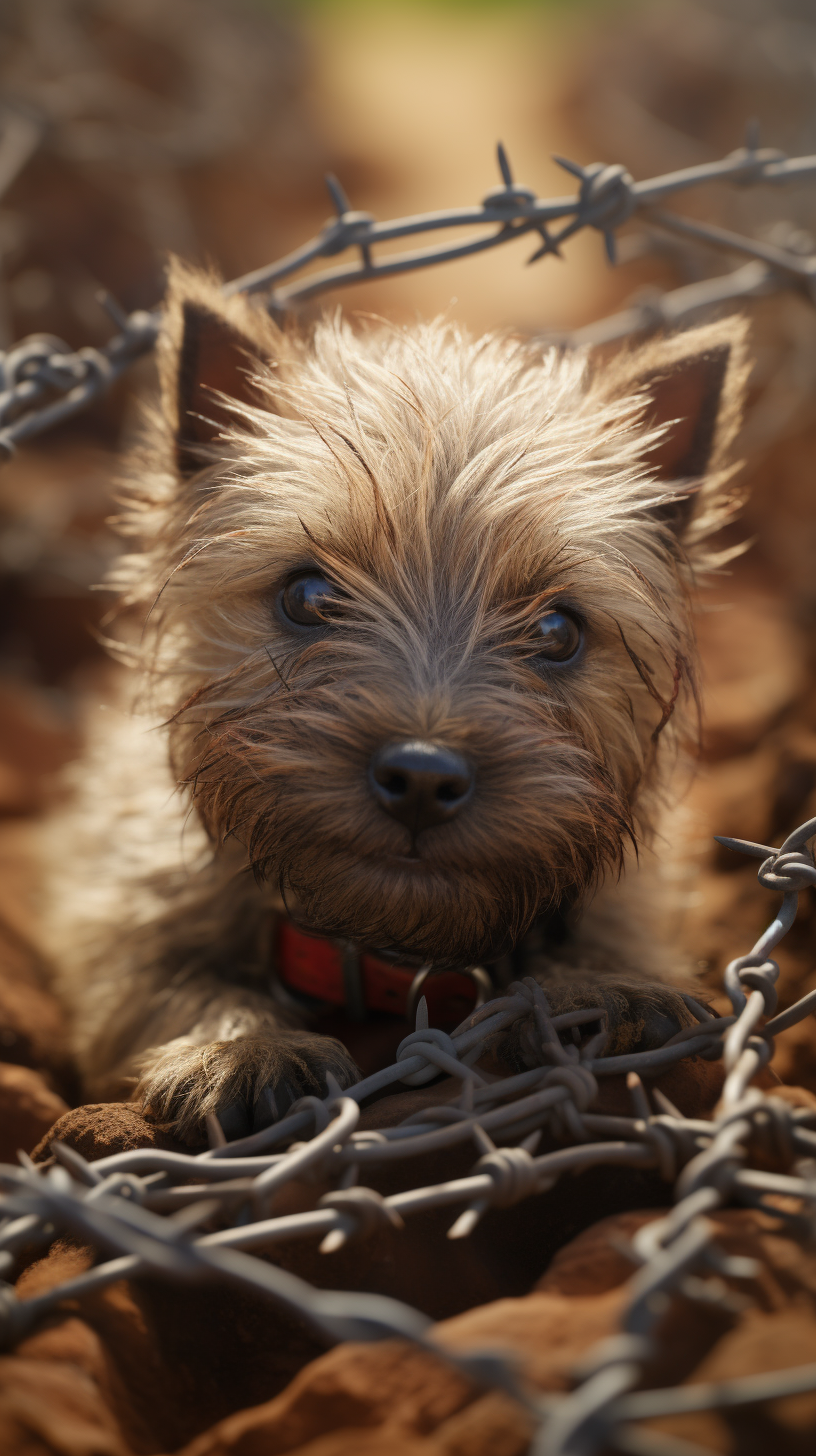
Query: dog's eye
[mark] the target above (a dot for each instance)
(309, 599)
(559, 636)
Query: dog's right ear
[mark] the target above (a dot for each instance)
(209, 356)
(693, 385)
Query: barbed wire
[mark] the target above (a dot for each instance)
(43, 382)
(148, 1207)
(654, 308)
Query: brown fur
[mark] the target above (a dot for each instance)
(452, 489)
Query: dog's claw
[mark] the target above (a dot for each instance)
(216, 1136)
(265, 1110)
(659, 1026)
(235, 1121)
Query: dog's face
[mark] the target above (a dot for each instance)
(424, 615)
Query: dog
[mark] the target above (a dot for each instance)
(417, 622)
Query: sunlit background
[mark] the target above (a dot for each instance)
(134, 128)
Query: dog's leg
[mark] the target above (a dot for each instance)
(208, 1047)
(178, 1012)
(236, 1061)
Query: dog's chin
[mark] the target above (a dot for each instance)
(407, 911)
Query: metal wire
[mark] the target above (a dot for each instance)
(43, 382)
(142, 1207)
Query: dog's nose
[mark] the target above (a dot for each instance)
(420, 784)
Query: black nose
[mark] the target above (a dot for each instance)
(420, 784)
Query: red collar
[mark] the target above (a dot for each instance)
(342, 976)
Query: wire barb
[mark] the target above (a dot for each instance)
(504, 165)
(337, 194)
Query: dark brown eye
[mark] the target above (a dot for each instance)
(309, 599)
(560, 636)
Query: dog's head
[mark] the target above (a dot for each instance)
(422, 604)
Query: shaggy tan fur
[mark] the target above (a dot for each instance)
(452, 488)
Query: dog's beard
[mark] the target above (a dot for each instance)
(443, 908)
(415, 912)
(449, 914)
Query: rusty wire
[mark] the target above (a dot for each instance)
(142, 1207)
(44, 382)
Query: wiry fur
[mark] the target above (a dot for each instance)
(453, 488)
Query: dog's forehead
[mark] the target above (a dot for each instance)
(434, 385)
(425, 428)
(492, 489)
(436, 468)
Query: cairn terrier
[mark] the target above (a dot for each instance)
(418, 629)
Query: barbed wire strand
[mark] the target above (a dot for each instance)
(43, 382)
(143, 1211)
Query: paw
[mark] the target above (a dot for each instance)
(637, 1016)
(247, 1082)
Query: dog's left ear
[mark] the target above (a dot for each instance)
(694, 384)
(209, 351)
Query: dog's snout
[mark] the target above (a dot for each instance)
(420, 784)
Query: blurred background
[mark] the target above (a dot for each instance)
(134, 128)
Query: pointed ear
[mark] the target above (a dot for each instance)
(695, 385)
(211, 346)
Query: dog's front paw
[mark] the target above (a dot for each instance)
(247, 1082)
(636, 1016)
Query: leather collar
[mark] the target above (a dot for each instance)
(340, 974)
